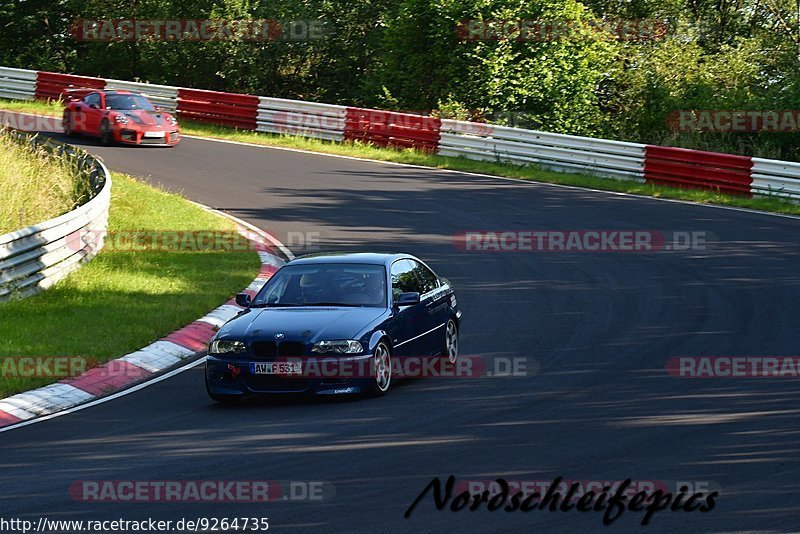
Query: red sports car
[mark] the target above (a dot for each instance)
(119, 117)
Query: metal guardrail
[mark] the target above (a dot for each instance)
(293, 117)
(559, 152)
(776, 178)
(36, 257)
(17, 84)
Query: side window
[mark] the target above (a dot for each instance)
(427, 279)
(403, 278)
(93, 98)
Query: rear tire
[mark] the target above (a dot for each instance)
(106, 136)
(66, 123)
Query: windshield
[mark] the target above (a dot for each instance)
(330, 284)
(128, 102)
(325, 284)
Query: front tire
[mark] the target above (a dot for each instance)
(106, 135)
(382, 374)
(450, 349)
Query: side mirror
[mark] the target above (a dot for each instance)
(157, 108)
(243, 300)
(408, 299)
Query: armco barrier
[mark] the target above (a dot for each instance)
(53, 86)
(309, 119)
(694, 169)
(388, 128)
(487, 142)
(227, 109)
(772, 177)
(17, 84)
(36, 257)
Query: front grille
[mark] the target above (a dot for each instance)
(264, 349)
(269, 350)
(151, 140)
(276, 383)
(288, 349)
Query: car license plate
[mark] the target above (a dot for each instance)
(275, 368)
(154, 134)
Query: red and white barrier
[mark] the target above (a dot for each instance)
(674, 167)
(213, 107)
(694, 169)
(392, 129)
(54, 86)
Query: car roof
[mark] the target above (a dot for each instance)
(373, 258)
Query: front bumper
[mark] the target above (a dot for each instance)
(137, 137)
(232, 376)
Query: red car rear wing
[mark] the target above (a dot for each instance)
(78, 93)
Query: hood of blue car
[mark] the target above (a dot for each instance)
(309, 324)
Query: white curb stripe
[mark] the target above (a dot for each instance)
(16, 411)
(269, 259)
(151, 361)
(168, 347)
(49, 399)
(221, 315)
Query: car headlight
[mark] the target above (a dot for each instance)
(223, 346)
(345, 346)
(172, 120)
(122, 119)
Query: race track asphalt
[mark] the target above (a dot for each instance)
(595, 328)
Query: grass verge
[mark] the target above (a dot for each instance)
(365, 151)
(123, 300)
(36, 186)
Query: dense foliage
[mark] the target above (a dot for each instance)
(408, 55)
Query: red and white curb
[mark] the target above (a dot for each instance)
(148, 362)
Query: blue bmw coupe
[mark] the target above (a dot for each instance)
(334, 324)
